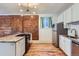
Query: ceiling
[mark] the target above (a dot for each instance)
(43, 8)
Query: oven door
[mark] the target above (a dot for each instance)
(75, 49)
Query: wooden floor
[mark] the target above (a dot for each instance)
(44, 50)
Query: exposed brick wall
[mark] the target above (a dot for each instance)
(5, 20)
(16, 23)
(19, 24)
(31, 25)
(5, 25)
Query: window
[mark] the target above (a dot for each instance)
(46, 22)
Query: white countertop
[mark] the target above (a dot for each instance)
(10, 38)
(73, 39)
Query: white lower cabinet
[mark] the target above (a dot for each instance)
(61, 42)
(7, 49)
(12, 48)
(20, 47)
(65, 44)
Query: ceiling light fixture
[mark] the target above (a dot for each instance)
(28, 7)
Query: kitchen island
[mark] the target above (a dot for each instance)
(12, 45)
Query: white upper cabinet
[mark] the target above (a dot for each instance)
(67, 16)
(61, 18)
(75, 12)
(70, 15)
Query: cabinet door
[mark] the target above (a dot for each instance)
(68, 15)
(75, 12)
(61, 18)
(23, 46)
(7, 49)
(20, 47)
(67, 46)
(61, 42)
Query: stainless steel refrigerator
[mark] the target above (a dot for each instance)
(60, 30)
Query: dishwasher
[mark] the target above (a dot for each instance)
(75, 49)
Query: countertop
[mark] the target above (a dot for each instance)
(10, 38)
(71, 37)
(74, 39)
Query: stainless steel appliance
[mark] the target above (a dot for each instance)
(60, 31)
(75, 49)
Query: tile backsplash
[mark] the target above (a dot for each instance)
(76, 27)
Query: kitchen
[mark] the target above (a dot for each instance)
(69, 42)
(22, 31)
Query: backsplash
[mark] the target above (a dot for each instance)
(76, 27)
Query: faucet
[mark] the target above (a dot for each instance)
(75, 32)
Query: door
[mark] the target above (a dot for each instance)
(45, 29)
(30, 24)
